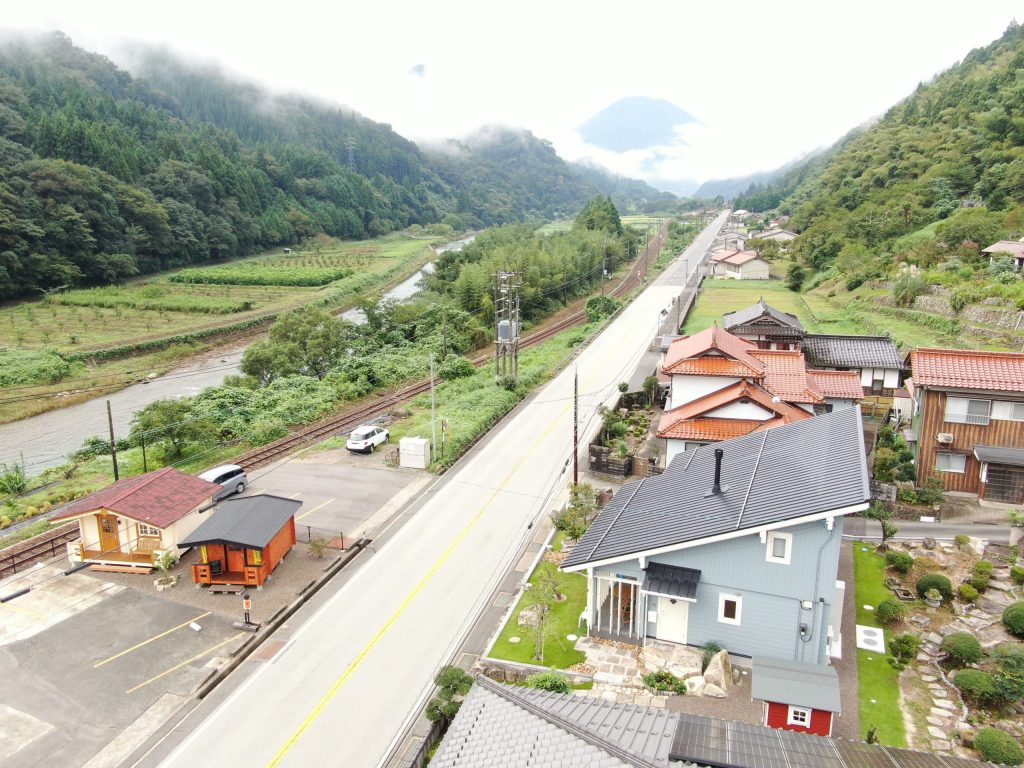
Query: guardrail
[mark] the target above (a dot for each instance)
(44, 546)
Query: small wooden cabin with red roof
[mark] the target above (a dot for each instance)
(127, 525)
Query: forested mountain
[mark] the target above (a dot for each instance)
(104, 175)
(938, 178)
(765, 190)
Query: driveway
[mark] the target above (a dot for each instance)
(847, 725)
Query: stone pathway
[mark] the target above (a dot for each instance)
(615, 664)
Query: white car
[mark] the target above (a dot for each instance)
(367, 437)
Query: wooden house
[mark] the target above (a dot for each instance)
(244, 542)
(797, 697)
(129, 524)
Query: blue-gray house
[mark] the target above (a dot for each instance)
(737, 542)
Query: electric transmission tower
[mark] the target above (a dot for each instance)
(507, 325)
(350, 144)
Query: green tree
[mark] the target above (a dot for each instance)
(171, 423)
(579, 513)
(880, 512)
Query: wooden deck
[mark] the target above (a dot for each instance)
(142, 558)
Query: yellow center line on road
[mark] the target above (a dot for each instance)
(150, 640)
(29, 611)
(333, 691)
(314, 509)
(186, 661)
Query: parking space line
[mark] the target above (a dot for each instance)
(314, 509)
(150, 640)
(182, 664)
(294, 495)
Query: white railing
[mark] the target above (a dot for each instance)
(966, 418)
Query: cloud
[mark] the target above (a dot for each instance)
(420, 70)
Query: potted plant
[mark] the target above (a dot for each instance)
(933, 598)
(164, 562)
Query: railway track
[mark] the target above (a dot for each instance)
(355, 416)
(47, 545)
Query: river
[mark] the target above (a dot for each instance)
(45, 440)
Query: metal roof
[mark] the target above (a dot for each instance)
(251, 521)
(833, 351)
(509, 725)
(671, 580)
(806, 468)
(760, 311)
(800, 685)
(999, 454)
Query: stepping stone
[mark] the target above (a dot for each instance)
(933, 720)
(937, 733)
(940, 745)
(931, 637)
(940, 694)
(929, 678)
(936, 712)
(924, 657)
(919, 620)
(1003, 586)
(607, 678)
(946, 704)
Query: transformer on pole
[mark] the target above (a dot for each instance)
(507, 325)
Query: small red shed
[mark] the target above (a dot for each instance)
(244, 540)
(796, 696)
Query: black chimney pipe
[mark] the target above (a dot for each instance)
(717, 487)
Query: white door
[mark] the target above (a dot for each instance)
(672, 619)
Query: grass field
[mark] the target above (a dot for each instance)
(563, 225)
(879, 683)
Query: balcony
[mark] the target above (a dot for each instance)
(966, 418)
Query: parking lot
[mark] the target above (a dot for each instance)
(93, 663)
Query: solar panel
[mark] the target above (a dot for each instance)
(857, 754)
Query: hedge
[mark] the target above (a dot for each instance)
(1013, 618)
(977, 686)
(998, 746)
(899, 561)
(935, 581)
(963, 648)
(890, 612)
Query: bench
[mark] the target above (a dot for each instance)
(226, 589)
(110, 568)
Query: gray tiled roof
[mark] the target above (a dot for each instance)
(501, 725)
(747, 315)
(827, 351)
(251, 521)
(796, 684)
(671, 580)
(805, 468)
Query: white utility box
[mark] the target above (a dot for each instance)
(414, 452)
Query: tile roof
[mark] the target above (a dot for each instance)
(251, 521)
(1014, 247)
(685, 420)
(837, 384)
(157, 498)
(786, 375)
(968, 369)
(756, 312)
(770, 477)
(696, 355)
(741, 257)
(510, 725)
(712, 429)
(671, 580)
(794, 683)
(723, 253)
(834, 351)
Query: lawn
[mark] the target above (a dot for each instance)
(719, 296)
(558, 651)
(879, 683)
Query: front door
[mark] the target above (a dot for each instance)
(1004, 484)
(109, 540)
(236, 558)
(673, 617)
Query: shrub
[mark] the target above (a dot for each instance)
(907, 288)
(1017, 574)
(902, 650)
(937, 582)
(1013, 618)
(708, 650)
(453, 684)
(982, 568)
(998, 746)
(963, 648)
(890, 612)
(900, 562)
(979, 582)
(456, 367)
(968, 593)
(549, 681)
(961, 539)
(256, 274)
(663, 680)
(977, 686)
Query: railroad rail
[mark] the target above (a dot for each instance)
(46, 545)
(353, 417)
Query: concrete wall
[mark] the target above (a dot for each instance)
(687, 388)
(741, 411)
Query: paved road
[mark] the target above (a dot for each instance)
(910, 529)
(343, 686)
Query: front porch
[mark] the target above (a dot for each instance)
(142, 559)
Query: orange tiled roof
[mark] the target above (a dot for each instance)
(740, 257)
(711, 429)
(696, 410)
(839, 384)
(968, 369)
(786, 375)
(713, 352)
(723, 253)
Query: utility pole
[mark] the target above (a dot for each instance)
(575, 426)
(506, 339)
(433, 411)
(142, 438)
(113, 444)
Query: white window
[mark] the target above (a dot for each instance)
(729, 609)
(962, 410)
(1007, 411)
(148, 530)
(780, 547)
(950, 462)
(799, 716)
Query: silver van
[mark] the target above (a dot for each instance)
(231, 476)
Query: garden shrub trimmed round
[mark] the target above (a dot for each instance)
(976, 685)
(889, 612)
(937, 582)
(1013, 618)
(901, 562)
(1017, 574)
(963, 648)
(968, 593)
(982, 568)
(998, 746)
(979, 581)
(549, 681)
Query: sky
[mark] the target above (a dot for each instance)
(768, 82)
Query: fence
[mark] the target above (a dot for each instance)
(42, 547)
(332, 539)
(601, 460)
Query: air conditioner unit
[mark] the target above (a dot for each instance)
(945, 437)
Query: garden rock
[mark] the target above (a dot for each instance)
(1002, 586)
(719, 671)
(920, 620)
(945, 704)
(937, 733)
(967, 734)
(528, 617)
(940, 745)
(714, 691)
(976, 545)
(695, 686)
(933, 720)
(680, 661)
(928, 543)
(931, 637)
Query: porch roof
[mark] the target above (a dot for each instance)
(999, 454)
(251, 521)
(672, 581)
(798, 685)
